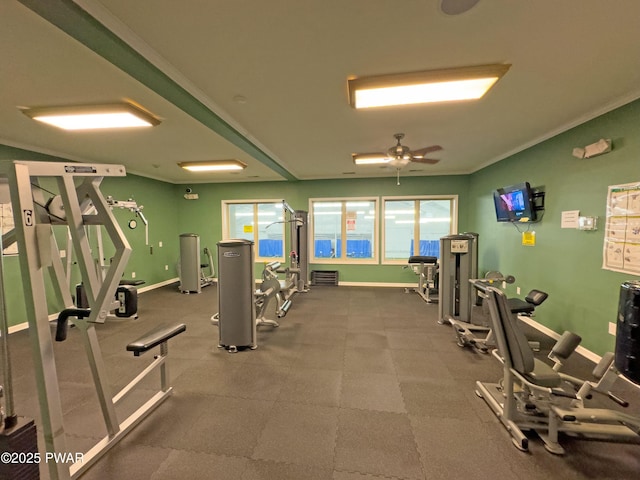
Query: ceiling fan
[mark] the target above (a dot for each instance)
(398, 156)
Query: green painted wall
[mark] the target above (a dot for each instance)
(564, 262)
(203, 216)
(161, 211)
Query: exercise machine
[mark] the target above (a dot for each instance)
(83, 204)
(296, 278)
(458, 264)
(532, 396)
(17, 434)
(192, 271)
(480, 335)
(460, 290)
(126, 294)
(236, 317)
(426, 268)
(269, 290)
(298, 271)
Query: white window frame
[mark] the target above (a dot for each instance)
(343, 258)
(453, 225)
(256, 251)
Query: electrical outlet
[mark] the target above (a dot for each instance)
(517, 290)
(133, 274)
(159, 244)
(504, 285)
(166, 267)
(612, 328)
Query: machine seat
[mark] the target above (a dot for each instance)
(530, 302)
(543, 375)
(422, 259)
(517, 305)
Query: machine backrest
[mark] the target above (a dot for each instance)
(512, 344)
(536, 297)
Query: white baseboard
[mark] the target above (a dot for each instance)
(588, 354)
(376, 284)
(158, 285)
(54, 316)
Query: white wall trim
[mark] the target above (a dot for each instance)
(588, 354)
(376, 284)
(54, 316)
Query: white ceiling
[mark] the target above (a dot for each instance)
(289, 60)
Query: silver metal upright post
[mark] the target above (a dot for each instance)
(11, 418)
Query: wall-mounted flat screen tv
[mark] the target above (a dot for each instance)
(514, 203)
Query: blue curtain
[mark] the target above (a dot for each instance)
(323, 248)
(269, 248)
(428, 248)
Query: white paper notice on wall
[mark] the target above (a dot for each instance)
(570, 219)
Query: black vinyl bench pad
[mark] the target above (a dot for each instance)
(133, 283)
(155, 337)
(422, 259)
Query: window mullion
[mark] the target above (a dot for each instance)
(255, 225)
(416, 227)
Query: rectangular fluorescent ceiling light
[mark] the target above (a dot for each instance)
(93, 117)
(369, 158)
(213, 166)
(466, 83)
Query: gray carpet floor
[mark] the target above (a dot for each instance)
(356, 383)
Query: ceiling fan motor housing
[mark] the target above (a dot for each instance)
(399, 151)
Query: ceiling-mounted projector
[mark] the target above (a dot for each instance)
(601, 146)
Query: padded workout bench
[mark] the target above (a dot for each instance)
(427, 269)
(158, 336)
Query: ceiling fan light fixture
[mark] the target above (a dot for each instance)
(465, 83)
(93, 117)
(213, 166)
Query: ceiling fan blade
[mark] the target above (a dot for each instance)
(430, 161)
(421, 152)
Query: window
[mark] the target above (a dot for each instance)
(413, 226)
(259, 221)
(344, 230)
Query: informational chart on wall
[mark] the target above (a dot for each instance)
(622, 235)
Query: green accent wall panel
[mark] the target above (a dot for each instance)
(204, 215)
(161, 211)
(566, 263)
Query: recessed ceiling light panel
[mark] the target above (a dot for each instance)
(213, 166)
(93, 117)
(464, 83)
(370, 158)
